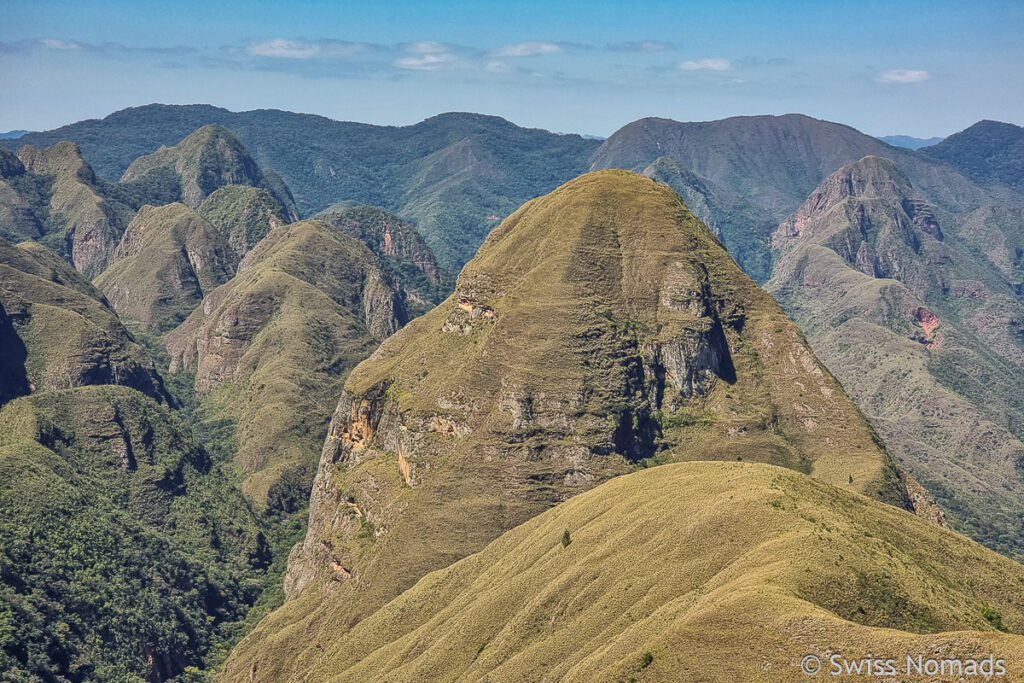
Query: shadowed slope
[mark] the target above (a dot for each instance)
(59, 332)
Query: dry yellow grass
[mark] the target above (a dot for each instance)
(721, 571)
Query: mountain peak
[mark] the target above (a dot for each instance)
(209, 158)
(61, 158)
(869, 213)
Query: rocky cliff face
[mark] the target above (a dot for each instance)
(598, 328)
(401, 250)
(57, 331)
(276, 342)
(167, 259)
(81, 223)
(869, 214)
(909, 314)
(208, 159)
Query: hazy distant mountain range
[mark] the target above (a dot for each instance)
(908, 141)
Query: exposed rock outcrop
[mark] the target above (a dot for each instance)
(911, 316)
(85, 225)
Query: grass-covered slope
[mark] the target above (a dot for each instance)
(125, 553)
(743, 228)
(919, 322)
(167, 260)
(599, 329)
(57, 332)
(696, 571)
(242, 214)
(401, 250)
(206, 160)
(270, 349)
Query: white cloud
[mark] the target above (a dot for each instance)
(707, 64)
(428, 62)
(497, 67)
(902, 76)
(527, 49)
(283, 49)
(58, 44)
(426, 47)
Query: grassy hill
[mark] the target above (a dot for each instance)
(600, 329)
(402, 251)
(209, 158)
(694, 571)
(918, 322)
(743, 228)
(53, 196)
(242, 214)
(57, 331)
(169, 258)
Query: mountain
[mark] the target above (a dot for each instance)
(57, 331)
(244, 215)
(666, 578)
(908, 141)
(990, 152)
(455, 176)
(270, 349)
(11, 134)
(402, 251)
(53, 196)
(774, 162)
(920, 323)
(206, 160)
(599, 329)
(168, 259)
(18, 220)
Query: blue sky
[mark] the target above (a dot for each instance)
(919, 68)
